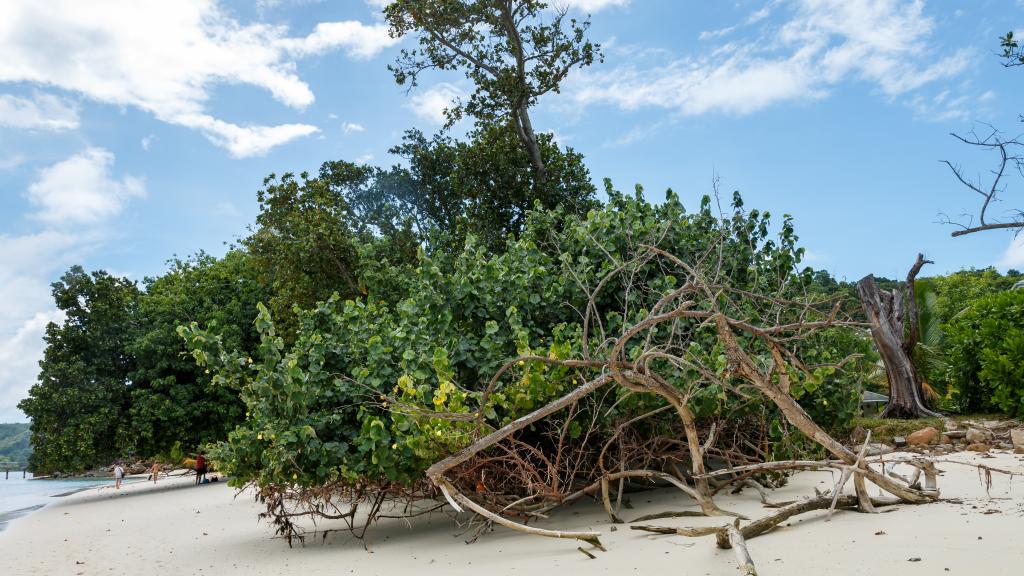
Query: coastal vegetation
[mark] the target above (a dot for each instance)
(479, 320)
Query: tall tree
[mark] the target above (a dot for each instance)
(173, 400)
(80, 403)
(333, 232)
(303, 244)
(483, 187)
(514, 52)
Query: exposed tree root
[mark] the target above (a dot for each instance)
(456, 498)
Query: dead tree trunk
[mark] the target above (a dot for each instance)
(894, 328)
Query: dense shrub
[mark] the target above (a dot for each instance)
(985, 346)
(350, 401)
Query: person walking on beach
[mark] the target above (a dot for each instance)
(155, 471)
(200, 468)
(118, 476)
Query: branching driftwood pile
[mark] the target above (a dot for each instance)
(760, 359)
(757, 337)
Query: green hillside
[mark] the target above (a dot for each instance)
(14, 446)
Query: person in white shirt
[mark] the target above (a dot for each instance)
(118, 476)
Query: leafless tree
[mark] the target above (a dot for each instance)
(1010, 152)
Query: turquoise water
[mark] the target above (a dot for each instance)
(20, 496)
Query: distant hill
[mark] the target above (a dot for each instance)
(14, 446)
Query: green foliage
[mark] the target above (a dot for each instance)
(955, 292)
(172, 399)
(483, 187)
(175, 455)
(514, 52)
(885, 429)
(14, 442)
(941, 301)
(986, 354)
(80, 404)
(509, 50)
(1012, 54)
(304, 245)
(116, 378)
(351, 398)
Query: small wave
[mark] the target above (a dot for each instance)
(6, 517)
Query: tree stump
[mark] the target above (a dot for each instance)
(892, 315)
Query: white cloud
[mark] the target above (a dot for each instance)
(358, 39)
(813, 257)
(75, 200)
(1014, 255)
(712, 34)
(11, 162)
(352, 127)
(364, 159)
(80, 190)
(753, 18)
(225, 208)
(590, 5)
(19, 361)
(823, 43)
(22, 289)
(634, 135)
(245, 141)
(41, 112)
(432, 102)
(166, 57)
(147, 141)
(946, 107)
(26, 263)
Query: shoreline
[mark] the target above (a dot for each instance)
(213, 528)
(11, 514)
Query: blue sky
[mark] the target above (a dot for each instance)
(131, 132)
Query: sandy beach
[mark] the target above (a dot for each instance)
(175, 527)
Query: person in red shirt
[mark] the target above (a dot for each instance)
(200, 468)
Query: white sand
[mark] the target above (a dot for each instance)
(177, 528)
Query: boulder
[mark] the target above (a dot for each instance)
(1017, 437)
(956, 434)
(978, 447)
(923, 437)
(1018, 450)
(899, 441)
(976, 436)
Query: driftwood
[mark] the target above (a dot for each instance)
(735, 537)
(700, 304)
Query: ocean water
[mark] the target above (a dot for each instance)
(20, 496)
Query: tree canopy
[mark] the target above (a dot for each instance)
(80, 404)
(514, 52)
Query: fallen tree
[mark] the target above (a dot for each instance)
(648, 346)
(659, 355)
